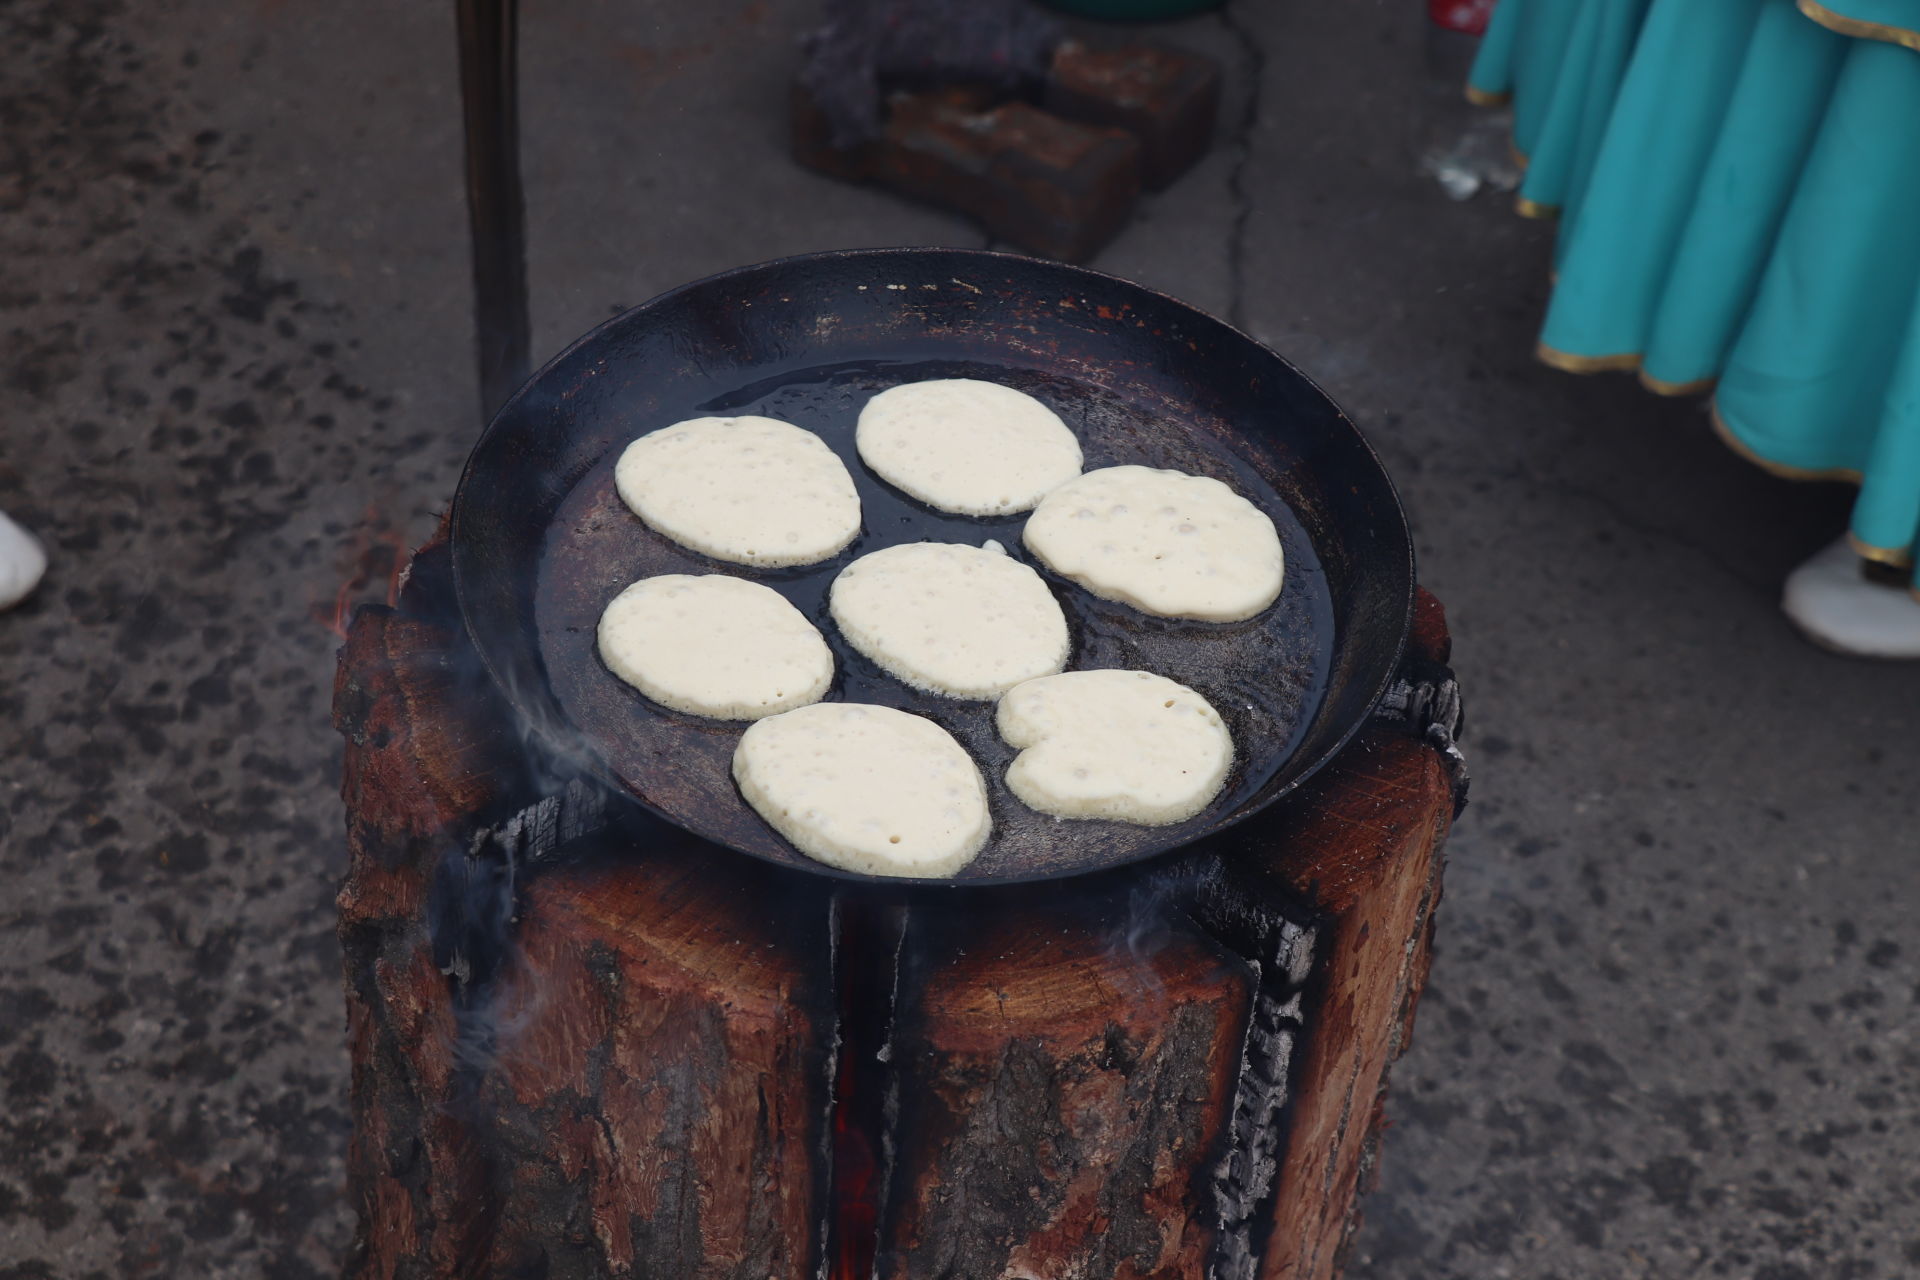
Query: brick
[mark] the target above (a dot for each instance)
(1052, 187)
(1166, 98)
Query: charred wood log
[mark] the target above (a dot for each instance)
(1365, 846)
(653, 1095)
(416, 773)
(1063, 1076)
(586, 1044)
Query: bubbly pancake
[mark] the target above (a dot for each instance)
(1128, 745)
(748, 490)
(865, 788)
(965, 446)
(966, 622)
(714, 646)
(1165, 542)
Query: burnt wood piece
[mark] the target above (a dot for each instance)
(1364, 844)
(1166, 98)
(1062, 1077)
(1181, 1079)
(1046, 185)
(654, 1096)
(419, 769)
(620, 1058)
(627, 1076)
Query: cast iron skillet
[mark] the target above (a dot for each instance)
(541, 542)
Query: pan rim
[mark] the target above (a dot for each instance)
(531, 717)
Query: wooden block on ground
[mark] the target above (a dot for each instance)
(1166, 98)
(1049, 186)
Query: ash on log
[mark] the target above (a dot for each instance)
(585, 1044)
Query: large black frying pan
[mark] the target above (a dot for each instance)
(541, 542)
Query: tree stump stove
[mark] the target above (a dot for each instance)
(588, 1044)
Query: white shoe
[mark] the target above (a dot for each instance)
(1839, 609)
(21, 563)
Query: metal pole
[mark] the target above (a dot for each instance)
(496, 208)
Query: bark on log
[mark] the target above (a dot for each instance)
(418, 769)
(1367, 851)
(1062, 1081)
(653, 1097)
(636, 1055)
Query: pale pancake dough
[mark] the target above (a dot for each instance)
(866, 789)
(1165, 542)
(971, 447)
(714, 646)
(749, 490)
(1129, 745)
(966, 622)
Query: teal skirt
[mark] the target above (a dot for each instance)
(1738, 187)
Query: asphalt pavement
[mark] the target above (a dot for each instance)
(1671, 1027)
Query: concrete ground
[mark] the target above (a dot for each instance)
(1671, 1026)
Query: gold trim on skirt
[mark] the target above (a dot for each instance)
(1663, 388)
(1630, 361)
(1855, 27)
(1894, 557)
(1570, 363)
(1781, 469)
(1623, 362)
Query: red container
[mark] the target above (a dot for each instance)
(1469, 16)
